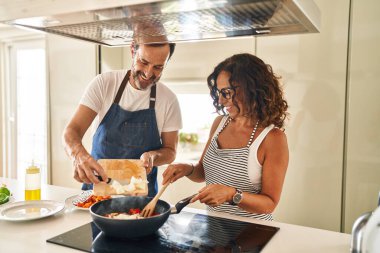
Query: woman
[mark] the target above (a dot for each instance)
(246, 157)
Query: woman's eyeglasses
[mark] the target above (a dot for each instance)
(227, 92)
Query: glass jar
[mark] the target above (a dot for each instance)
(33, 183)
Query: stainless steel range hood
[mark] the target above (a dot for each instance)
(175, 20)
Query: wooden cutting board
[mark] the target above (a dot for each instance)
(122, 171)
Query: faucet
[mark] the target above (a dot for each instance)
(358, 230)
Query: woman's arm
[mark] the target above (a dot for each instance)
(275, 164)
(194, 172)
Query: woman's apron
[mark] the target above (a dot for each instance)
(125, 134)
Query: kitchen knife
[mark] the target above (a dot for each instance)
(112, 181)
(109, 181)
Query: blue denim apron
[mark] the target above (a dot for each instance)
(125, 134)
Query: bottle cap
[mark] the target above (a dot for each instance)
(32, 170)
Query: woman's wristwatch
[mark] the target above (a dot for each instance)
(237, 198)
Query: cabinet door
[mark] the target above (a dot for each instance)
(313, 69)
(71, 68)
(363, 138)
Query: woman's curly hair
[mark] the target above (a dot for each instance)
(259, 89)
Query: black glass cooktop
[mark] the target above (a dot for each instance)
(183, 232)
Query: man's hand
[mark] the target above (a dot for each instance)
(85, 168)
(147, 160)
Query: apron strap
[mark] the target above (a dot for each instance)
(122, 87)
(152, 100)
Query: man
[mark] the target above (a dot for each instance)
(132, 121)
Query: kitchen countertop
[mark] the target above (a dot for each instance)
(31, 236)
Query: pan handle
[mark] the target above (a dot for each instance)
(181, 204)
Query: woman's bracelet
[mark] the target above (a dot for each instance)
(192, 170)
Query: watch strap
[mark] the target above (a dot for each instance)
(235, 248)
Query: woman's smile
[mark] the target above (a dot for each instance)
(228, 108)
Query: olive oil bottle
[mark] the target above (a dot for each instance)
(33, 183)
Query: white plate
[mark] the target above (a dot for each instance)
(74, 200)
(30, 210)
(79, 198)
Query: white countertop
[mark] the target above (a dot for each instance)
(31, 236)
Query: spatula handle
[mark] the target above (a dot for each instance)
(158, 195)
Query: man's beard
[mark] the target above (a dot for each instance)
(137, 75)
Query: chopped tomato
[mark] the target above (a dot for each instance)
(92, 200)
(134, 211)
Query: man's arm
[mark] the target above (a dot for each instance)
(164, 155)
(84, 164)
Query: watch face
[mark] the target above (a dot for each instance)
(237, 198)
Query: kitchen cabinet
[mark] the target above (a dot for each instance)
(72, 65)
(331, 84)
(362, 174)
(313, 70)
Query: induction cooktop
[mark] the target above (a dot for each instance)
(183, 232)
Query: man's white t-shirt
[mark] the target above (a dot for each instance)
(102, 90)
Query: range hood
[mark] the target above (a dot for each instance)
(117, 23)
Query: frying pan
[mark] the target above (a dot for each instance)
(132, 228)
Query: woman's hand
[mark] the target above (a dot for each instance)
(175, 171)
(214, 195)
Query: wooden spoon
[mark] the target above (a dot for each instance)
(149, 208)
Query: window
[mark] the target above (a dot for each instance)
(198, 114)
(25, 108)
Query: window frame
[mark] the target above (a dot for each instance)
(8, 156)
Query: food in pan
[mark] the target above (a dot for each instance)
(132, 214)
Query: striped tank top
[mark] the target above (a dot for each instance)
(230, 167)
